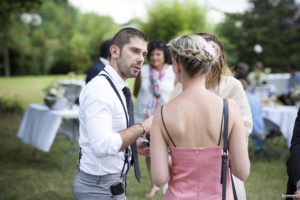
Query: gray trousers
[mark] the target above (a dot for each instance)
(90, 187)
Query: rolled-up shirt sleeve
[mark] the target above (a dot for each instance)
(98, 116)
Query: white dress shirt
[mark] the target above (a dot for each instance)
(104, 61)
(101, 117)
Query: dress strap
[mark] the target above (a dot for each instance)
(162, 119)
(221, 130)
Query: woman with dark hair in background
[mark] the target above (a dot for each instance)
(152, 88)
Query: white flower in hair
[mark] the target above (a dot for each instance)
(209, 49)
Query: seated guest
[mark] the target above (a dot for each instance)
(258, 122)
(293, 81)
(102, 62)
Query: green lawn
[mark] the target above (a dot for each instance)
(26, 175)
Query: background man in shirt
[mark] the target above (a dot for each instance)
(102, 61)
(293, 81)
(104, 133)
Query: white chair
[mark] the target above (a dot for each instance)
(70, 129)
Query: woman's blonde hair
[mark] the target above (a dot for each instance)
(214, 77)
(195, 54)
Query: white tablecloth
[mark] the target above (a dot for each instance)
(40, 125)
(284, 117)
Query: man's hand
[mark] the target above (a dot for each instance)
(142, 149)
(297, 193)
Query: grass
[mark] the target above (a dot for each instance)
(29, 175)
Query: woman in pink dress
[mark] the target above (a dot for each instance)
(191, 125)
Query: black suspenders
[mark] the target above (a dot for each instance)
(126, 162)
(127, 121)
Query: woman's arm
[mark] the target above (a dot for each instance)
(239, 158)
(160, 173)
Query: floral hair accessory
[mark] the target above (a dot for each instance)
(209, 50)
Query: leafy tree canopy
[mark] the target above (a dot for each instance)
(273, 24)
(170, 18)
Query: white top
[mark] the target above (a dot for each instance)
(104, 61)
(230, 88)
(101, 117)
(145, 95)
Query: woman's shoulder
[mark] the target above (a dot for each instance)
(230, 83)
(229, 80)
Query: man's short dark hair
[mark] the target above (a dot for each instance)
(104, 48)
(123, 36)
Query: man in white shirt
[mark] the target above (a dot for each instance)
(107, 134)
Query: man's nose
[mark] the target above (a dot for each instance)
(140, 59)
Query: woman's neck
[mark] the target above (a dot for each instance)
(198, 81)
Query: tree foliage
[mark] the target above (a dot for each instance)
(170, 18)
(66, 40)
(273, 24)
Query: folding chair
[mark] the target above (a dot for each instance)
(272, 139)
(70, 129)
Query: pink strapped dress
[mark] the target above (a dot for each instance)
(196, 173)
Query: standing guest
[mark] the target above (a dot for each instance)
(221, 82)
(191, 126)
(152, 88)
(293, 163)
(107, 131)
(257, 77)
(102, 61)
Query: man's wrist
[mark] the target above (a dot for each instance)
(298, 184)
(141, 125)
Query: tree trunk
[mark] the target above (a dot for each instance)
(6, 60)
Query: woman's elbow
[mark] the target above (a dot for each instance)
(242, 174)
(160, 181)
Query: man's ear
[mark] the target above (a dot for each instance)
(114, 51)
